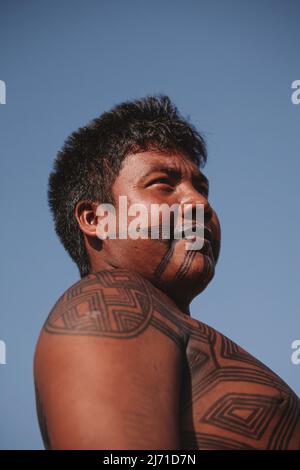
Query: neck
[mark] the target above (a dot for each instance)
(183, 305)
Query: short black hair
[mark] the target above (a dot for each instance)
(90, 160)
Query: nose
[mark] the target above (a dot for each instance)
(193, 197)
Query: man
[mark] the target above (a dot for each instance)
(120, 363)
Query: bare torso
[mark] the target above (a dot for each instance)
(227, 398)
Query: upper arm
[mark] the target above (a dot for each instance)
(108, 377)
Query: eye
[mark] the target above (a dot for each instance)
(163, 180)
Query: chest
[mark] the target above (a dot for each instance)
(230, 400)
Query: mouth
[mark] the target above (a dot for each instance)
(191, 233)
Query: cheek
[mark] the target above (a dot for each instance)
(144, 255)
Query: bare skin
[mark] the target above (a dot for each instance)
(120, 363)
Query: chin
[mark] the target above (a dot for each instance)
(193, 280)
(200, 274)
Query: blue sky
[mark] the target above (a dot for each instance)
(228, 66)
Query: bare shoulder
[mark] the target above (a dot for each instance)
(117, 304)
(110, 347)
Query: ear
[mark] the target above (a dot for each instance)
(85, 213)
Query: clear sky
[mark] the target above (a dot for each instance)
(228, 65)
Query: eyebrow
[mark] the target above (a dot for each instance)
(174, 172)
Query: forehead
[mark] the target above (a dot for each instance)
(138, 165)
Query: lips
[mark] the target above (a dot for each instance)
(191, 232)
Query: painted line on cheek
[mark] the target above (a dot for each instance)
(164, 262)
(188, 259)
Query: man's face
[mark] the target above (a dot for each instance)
(151, 178)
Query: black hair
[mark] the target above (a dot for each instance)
(90, 160)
